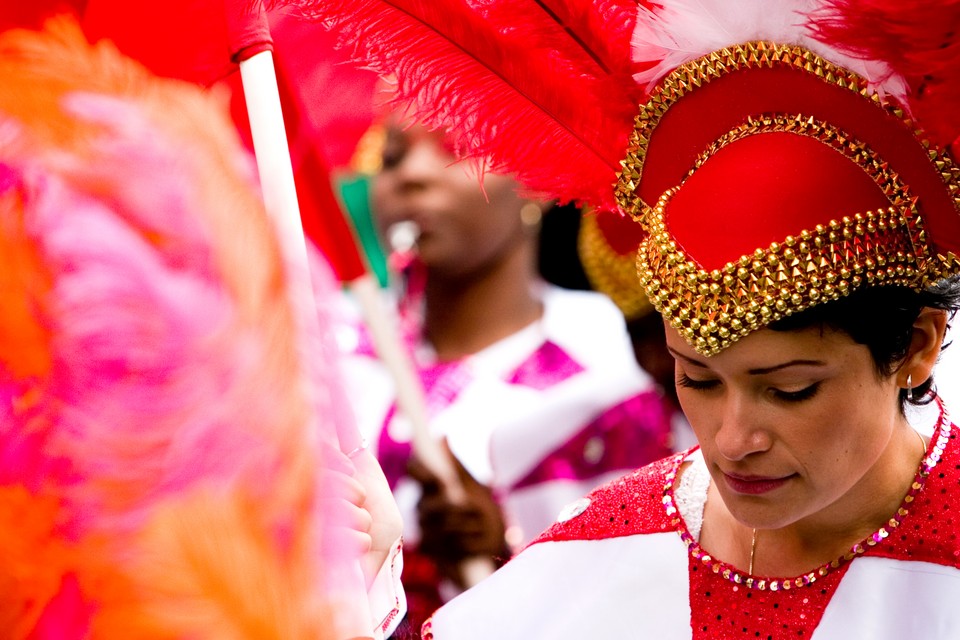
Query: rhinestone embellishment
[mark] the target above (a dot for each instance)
(573, 509)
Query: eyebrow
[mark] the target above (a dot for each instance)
(755, 372)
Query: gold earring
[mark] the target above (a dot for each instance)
(531, 214)
(910, 387)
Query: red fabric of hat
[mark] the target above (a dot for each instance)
(704, 115)
(761, 189)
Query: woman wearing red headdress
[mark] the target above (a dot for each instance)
(791, 165)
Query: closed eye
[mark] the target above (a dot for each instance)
(797, 396)
(697, 385)
(392, 156)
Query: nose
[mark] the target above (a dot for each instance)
(401, 187)
(741, 431)
(419, 167)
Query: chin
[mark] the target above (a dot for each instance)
(760, 513)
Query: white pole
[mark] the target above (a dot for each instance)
(346, 584)
(280, 197)
(279, 191)
(410, 397)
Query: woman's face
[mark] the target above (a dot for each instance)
(461, 225)
(794, 425)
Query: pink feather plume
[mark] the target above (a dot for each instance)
(166, 453)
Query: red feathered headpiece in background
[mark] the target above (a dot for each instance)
(775, 161)
(539, 89)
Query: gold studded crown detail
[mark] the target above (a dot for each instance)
(713, 309)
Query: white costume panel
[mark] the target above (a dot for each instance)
(579, 589)
(885, 599)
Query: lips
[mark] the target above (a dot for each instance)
(754, 485)
(402, 236)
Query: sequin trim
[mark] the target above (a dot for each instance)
(934, 452)
(711, 310)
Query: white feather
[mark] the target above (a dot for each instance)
(683, 30)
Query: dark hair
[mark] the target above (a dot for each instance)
(881, 318)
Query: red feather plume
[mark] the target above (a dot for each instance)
(558, 122)
(594, 35)
(917, 38)
(590, 37)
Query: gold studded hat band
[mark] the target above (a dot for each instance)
(771, 181)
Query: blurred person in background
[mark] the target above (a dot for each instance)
(532, 387)
(607, 245)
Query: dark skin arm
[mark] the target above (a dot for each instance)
(453, 532)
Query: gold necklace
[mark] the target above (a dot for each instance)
(923, 443)
(753, 540)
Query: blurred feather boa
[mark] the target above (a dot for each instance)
(160, 443)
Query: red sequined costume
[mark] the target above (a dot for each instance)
(612, 569)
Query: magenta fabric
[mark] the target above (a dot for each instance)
(547, 366)
(442, 384)
(630, 434)
(626, 436)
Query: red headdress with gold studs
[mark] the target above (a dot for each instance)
(780, 171)
(784, 153)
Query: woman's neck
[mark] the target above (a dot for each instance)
(467, 314)
(826, 535)
(830, 533)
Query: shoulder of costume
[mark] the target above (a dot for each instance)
(630, 505)
(591, 329)
(930, 532)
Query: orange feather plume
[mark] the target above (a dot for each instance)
(161, 479)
